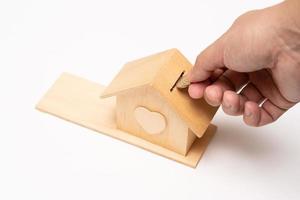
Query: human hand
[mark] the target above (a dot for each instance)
(260, 50)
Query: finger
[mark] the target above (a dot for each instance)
(270, 113)
(230, 80)
(196, 90)
(233, 104)
(213, 95)
(217, 73)
(252, 114)
(252, 93)
(260, 116)
(263, 81)
(237, 79)
(207, 62)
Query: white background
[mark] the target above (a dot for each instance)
(43, 157)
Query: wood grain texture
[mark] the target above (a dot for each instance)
(195, 112)
(161, 71)
(137, 73)
(77, 100)
(151, 122)
(175, 136)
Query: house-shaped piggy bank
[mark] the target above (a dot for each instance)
(141, 106)
(149, 106)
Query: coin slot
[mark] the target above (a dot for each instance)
(174, 85)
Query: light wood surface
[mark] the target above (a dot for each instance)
(77, 100)
(161, 71)
(137, 73)
(176, 135)
(195, 112)
(150, 121)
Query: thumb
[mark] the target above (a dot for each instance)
(207, 62)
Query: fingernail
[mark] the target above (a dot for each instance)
(227, 105)
(248, 113)
(212, 93)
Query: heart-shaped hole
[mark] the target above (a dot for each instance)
(152, 122)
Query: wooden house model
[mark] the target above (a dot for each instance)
(148, 104)
(141, 106)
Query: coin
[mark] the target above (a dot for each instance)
(183, 82)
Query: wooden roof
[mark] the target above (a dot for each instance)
(161, 71)
(138, 73)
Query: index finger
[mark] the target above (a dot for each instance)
(207, 62)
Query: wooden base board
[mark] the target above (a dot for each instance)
(77, 100)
